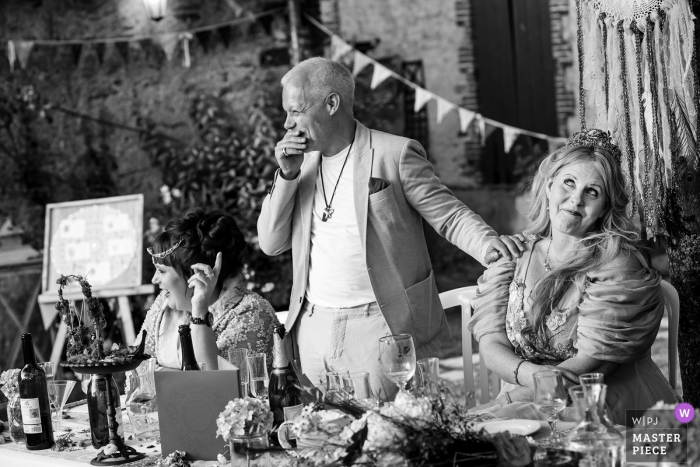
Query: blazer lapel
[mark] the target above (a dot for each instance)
(363, 155)
(306, 192)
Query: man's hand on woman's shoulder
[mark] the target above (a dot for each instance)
(505, 246)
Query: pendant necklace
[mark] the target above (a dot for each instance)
(547, 266)
(328, 211)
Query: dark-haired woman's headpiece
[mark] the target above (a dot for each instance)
(597, 139)
(165, 253)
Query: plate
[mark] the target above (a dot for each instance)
(515, 427)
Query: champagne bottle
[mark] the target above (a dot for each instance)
(188, 360)
(97, 409)
(284, 389)
(34, 400)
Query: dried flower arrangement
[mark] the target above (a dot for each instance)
(86, 345)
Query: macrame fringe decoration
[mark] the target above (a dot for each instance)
(635, 62)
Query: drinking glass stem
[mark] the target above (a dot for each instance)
(552, 420)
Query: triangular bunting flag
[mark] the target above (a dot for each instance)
(361, 61)
(169, 43)
(76, 51)
(510, 134)
(186, 38)
(225, 34)
(11, 54)
(339, 48)
(204, 38)
(100, 48)
(23, 49)
(481, 125)
(123, 49)
(555, 143)
(443, 107)
(381, 73)
(465, 118)
(422, 97)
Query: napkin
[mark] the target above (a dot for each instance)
(376, 185)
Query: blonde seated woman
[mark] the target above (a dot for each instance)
(198, 259)
(581, 298)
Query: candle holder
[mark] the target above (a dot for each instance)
(124, 454)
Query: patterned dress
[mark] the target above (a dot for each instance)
(614, 317)
(242, 319)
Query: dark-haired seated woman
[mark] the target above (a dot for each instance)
(198, 260)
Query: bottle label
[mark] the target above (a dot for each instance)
(279, 357)
(31, 415)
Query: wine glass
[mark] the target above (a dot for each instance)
(337, 390)
(398, 357)
(238, 357)
(259, 379)
(591, 378)
(58, 393)
(550, 398)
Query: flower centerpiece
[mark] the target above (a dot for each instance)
(412, 431)
(245, 423)
(9, 385)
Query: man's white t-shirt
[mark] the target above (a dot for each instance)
(338, 275)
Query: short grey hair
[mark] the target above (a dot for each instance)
(323, 77)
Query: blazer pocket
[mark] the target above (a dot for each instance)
(381, 195)
(420, 299)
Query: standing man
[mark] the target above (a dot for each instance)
(349, 202)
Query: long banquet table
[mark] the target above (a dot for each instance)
(12, 454)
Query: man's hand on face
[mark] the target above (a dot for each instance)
(290, 154)
(507, 246)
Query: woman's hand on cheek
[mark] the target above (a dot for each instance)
(203, 282)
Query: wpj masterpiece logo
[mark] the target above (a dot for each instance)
(658, 436)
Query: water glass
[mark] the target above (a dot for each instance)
(398, 357)
(591, 378)
(238, 357)
(259, 379)
(48, 368)
(358, 383)
(426, 381)
(337, 388)
(550, 398)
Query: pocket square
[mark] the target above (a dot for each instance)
(376, 185)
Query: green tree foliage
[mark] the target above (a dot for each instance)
(229, 165)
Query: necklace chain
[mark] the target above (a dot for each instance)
(328, 211)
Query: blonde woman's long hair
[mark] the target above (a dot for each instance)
(614, 232)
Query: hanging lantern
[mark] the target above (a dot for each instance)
(156, 8)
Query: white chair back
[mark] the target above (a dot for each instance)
(462, 297)
(672, 307)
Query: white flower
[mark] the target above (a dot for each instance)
(165, 194)
(241, 416)
(267, 287)
(110, 449)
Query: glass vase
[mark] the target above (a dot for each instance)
(14, 420)
(142, 405)
(244, 450)
(594, 436)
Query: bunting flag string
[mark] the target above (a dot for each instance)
(340, 48)
(20, 49)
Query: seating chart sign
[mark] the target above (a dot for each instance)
(100, 239)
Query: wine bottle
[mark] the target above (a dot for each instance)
(188, 360)
(34, 400)
(284, 389)
(97, 409)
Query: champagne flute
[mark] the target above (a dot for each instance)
(550, 398)
(58, 393)
(361, 390)
(239, 358)
(259, 379)
(398, 357)
(426, 382)
(591, 378)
